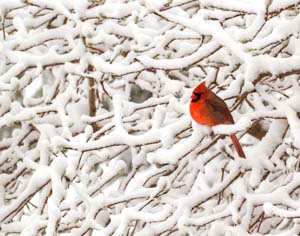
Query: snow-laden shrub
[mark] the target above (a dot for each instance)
(96, 137)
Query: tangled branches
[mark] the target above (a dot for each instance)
(95, 132)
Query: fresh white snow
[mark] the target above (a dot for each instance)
(138, 164)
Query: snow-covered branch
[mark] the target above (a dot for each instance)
(95, 132)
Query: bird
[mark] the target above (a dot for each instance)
(206, 108)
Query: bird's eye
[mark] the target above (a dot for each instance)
(195, 97)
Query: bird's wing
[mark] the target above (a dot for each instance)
(219, 109)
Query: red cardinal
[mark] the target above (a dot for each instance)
(207, 108)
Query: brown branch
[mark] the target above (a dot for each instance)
(22, 204)
(92, 99)
(3, 25)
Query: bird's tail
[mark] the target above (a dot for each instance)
(237, 146)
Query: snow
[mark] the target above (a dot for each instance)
(95, 132)
(171, 64)
(242, 124)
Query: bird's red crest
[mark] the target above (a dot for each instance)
(201, 88)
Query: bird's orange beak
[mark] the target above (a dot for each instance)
(193, 96)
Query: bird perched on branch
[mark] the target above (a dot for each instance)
(206, 108)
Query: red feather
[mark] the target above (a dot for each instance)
(206, 108)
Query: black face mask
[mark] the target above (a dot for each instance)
(197, 97)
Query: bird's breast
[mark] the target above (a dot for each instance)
(202, 114)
